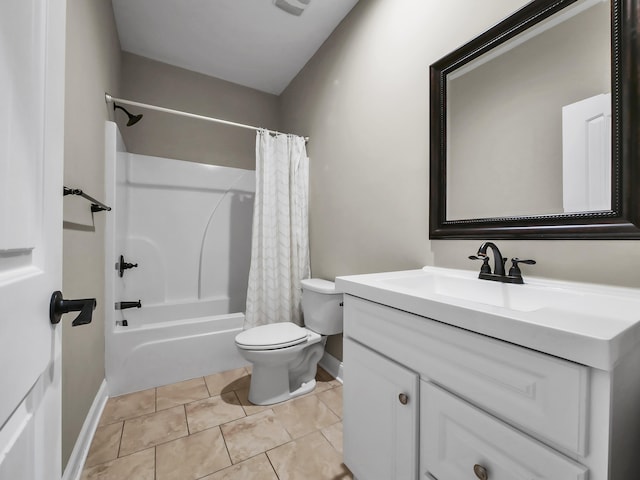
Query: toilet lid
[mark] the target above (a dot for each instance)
(269, 337)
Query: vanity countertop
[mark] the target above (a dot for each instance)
(591, 324)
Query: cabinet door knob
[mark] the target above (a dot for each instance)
(480, 472)
(404, 399)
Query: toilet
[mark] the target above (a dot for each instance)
(285, 356)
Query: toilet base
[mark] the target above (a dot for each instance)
(282, 374)
(269, 385)
(274, 389)
(304, 388)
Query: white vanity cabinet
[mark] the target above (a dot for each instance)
(477, 406)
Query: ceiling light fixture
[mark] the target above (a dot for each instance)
(294, 7)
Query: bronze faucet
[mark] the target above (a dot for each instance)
(499, 275)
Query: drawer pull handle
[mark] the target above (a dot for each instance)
(480, 472)
(404, 399)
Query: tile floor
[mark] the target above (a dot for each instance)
(206, 429)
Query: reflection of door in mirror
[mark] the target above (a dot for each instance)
(586, 155)
(504, 115)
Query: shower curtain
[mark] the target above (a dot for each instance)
(280, 237)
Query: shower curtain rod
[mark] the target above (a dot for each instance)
(110, 99)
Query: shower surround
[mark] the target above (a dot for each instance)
(188, 227)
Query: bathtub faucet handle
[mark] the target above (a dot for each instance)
(121, 266)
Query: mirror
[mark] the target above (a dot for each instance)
(532, 130)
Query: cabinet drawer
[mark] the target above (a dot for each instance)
(456, 436)
(538, 393)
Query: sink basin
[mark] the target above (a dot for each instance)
(460, 286)
(588, 323)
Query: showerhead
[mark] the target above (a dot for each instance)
(133, 119)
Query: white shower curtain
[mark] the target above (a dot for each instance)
(280, 238)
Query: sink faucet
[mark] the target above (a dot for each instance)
(498, 260)
(499, 275)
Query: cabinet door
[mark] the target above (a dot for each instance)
(459, 441)
(380, 416)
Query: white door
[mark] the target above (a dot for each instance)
(586, 154)
(32, 34)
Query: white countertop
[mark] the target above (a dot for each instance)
(591, 324)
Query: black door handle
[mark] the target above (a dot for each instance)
(59, 306)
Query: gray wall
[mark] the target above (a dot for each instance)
(92, 67)
(364, 101)
(171, 136)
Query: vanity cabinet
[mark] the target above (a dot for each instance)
(381, 430)
(477, 406)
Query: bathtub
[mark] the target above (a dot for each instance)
(181, 345)
(188, 227)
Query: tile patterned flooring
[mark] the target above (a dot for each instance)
(206, 428)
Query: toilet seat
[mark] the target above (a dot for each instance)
(272, 337)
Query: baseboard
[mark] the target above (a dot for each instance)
(73, 470)
(332, 365)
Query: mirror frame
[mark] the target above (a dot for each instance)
(623, 220)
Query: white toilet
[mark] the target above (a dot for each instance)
(284, 355)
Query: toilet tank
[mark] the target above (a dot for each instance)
(321, 306)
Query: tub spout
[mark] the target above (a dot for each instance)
(125, 305)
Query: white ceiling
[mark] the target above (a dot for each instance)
(248, 42)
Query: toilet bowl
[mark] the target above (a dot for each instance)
(285, 356)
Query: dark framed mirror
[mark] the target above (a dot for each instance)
(534, 126)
